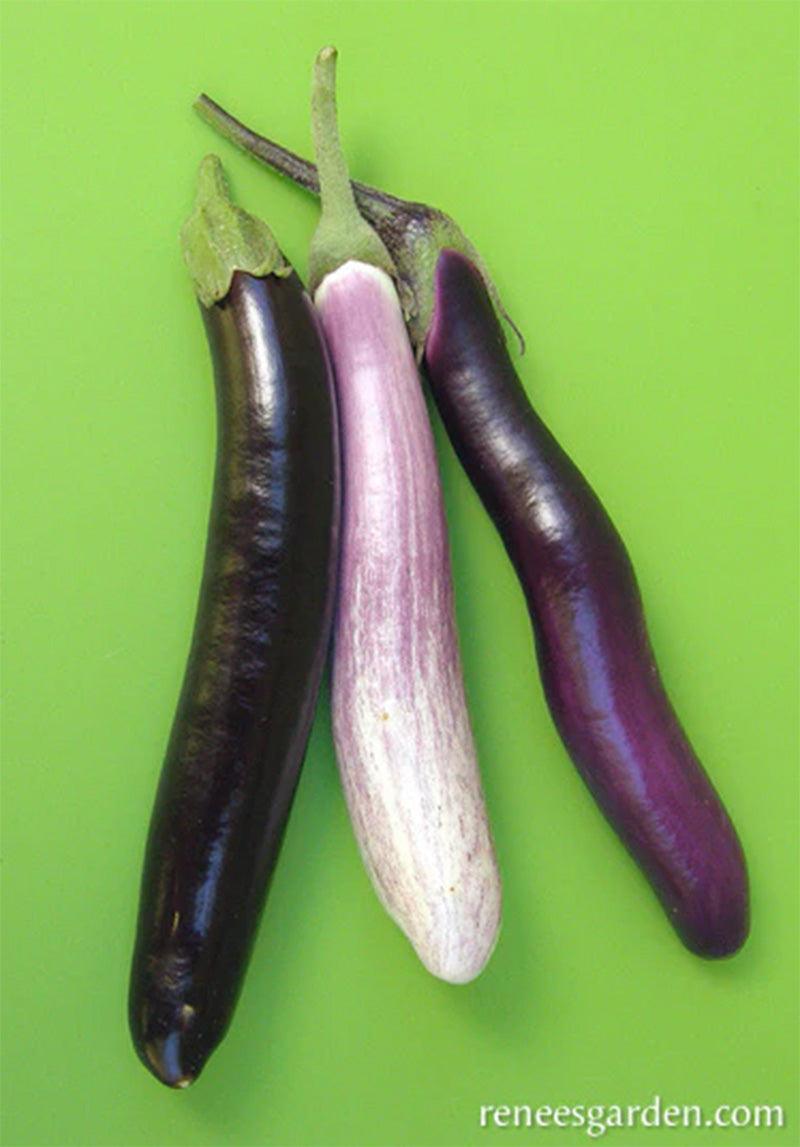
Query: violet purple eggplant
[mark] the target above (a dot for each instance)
(260, 639)
(401, 728)
(598, 668)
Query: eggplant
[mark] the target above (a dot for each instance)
(405, 748)
(597, 665)
(598, 669)
(402, 732)
(259, 646)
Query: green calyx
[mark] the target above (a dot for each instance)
(342, 232)
(414, 234)
(220, 238)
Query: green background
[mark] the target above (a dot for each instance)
(630, 173)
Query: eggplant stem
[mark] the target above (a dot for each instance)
(299, 170)
(342, 233)
(413, 233)
(219, 238)
(288, 163)
(336, 194)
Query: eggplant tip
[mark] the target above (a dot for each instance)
(165, 1060)
(717, 935)
(461, 964)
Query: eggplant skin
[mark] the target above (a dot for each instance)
(598, 670)
(249, 693)
(404, 742)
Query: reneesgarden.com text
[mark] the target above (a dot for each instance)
(598, 1118)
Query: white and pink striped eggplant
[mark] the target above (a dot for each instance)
(403, 739)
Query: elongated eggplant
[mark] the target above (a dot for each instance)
(598, 668)
(599, 673)
(403, 739)
(260, 640)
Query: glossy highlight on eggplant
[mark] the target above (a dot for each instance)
(250, 689)
(598, 669)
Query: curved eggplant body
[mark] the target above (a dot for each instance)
(402, 731)
(598, 669)
(254, 670)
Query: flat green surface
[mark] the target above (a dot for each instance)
(630, 173)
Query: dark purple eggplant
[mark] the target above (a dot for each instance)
(598, 669)
(260, 640)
